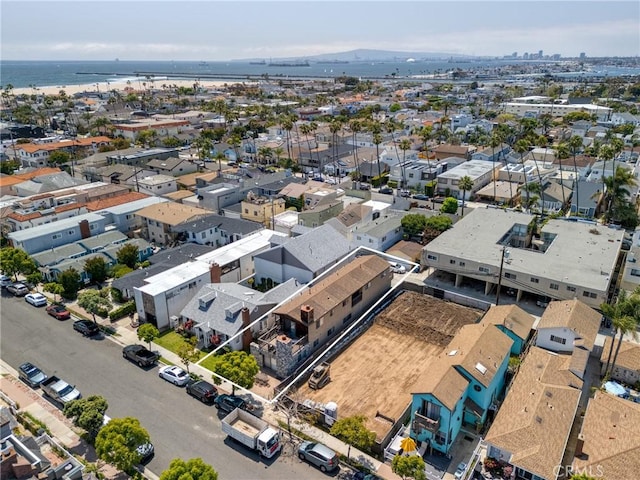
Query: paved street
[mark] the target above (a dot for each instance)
(179, 425)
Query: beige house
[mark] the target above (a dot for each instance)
(627, 368)
(320, 313)
(261, 209)
(158, 220)
(532, 427)
(609, 445)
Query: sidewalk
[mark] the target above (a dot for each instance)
(126, 334)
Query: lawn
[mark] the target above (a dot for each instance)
(172, 341)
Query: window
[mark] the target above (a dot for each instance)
(560, 340)
(535, 280)
(554, 286)
(246, 210)
(356, 297)
(316, 342)
(570, 288)
(483, 269)
(462, 264)
(586, 293)
(431, 257)
(452, 261)
(346, 319)
(55, 236)
(359, 237)
(330, 331)
(255, 213)
(510, 275)
(344, 303)
(71, 232)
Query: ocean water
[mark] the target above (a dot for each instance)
(23, 74)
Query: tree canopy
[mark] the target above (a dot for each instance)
(70, 281)
(87, 413)
(59, 157)
(147, 332)
(353, 431)
(14, 261)
(408, 467)
(194, 469)
(97, 269)
(450, 205)
(117, 441)
(128, 255)
(413, 223)
(237, 367)
(93, 302)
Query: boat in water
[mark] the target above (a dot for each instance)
(302, 63)
(259, 62)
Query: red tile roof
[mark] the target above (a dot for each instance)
(96, 205)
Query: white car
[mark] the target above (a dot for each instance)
(397, 267)
(5, 281)
(462, 467)
(36, 299)
(174, 374)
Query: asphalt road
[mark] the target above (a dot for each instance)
(179, 425)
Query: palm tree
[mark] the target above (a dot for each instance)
(355, 126)
(335, 126)
(617, 190)
(575, 144)
(562, 151)
(465, 184)
(495, 141)
(605, 152)
(623, 315)
(405, 144)
(521, 147)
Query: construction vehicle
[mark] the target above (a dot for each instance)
(320, 376)
(252, 432)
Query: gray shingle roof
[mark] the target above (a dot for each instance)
(227, 224)
(178, 255)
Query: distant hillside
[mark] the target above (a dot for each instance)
(365, 55)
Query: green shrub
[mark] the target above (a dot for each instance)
(102, 312)
(116, 295)
(123, 311)
(120, 270)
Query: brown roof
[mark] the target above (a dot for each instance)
(113, 201)
(78, 142)
(628, 356)
(411, 251)
(179, 195)
(328, 293)
(171, 213)
(353, 214)
(442, 381)
(573, 314)
(8, 180)
(536, 417)
(188, 180)
(19, 217)
(480, 351)
(447, 148)
(512, 317)
(611, 447)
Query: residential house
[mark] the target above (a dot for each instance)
(608, 445)
(156, 184)
(219, 311)
(8, 181)
(421, 173)
(378, 234)
(303, 258)
(554, 197)
(492, 154)
(319, 214)
(171, 166)
(139, 157)
(531, 430)
(631, 269)
(479, 171)
(461, 386)
(215, 230)
(218, 196)
(568, 325)
(159, 220)
(162, 128)
(442, 151)
(37, 154)
(120, 212)
(261, 209)
(46, 183)
(555, 110)
(514, 322)
(586, 198)
(625, 118)
(551, 264)
(318, 314)
(163, 296)
(627, 367)
(23, 218)
(62, 232)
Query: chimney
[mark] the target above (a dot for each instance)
(215, 273)
(247, 336)
(306, 314)
(85, 231)
(579, 446)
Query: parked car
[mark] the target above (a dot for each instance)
(86, 328)
(140, 355)
(421, 196)
(18, 289)
(4, 281)
(365, 186)
(397, 267)
(203, 391)
(319, 455)
(58, 312)
(405, 193)
(386, 190)
(31, 375)
(174, 374)
(146, 452)
(228, 403)
(36, 299)
(462, 467)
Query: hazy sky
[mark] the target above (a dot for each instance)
(226, 30)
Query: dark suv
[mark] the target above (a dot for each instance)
(228, 403)
(203, 391)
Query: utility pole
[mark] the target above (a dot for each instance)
(504, 249)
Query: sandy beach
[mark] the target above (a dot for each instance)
(121, 86)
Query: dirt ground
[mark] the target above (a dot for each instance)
(374, 376)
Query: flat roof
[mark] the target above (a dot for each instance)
(576, 256)
(472, 168)
(50, 228)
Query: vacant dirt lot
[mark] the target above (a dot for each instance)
(374, 376)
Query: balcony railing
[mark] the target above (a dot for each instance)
(420, 422)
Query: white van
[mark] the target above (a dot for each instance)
(397, 267)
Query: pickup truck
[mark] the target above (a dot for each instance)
(59, 390)
(140, 355)
(252, 432)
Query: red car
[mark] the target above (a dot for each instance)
(58, 312)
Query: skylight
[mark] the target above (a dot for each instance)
(481, 368)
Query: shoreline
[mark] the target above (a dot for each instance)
(120, 86)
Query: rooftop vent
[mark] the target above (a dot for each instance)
(481, 368)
